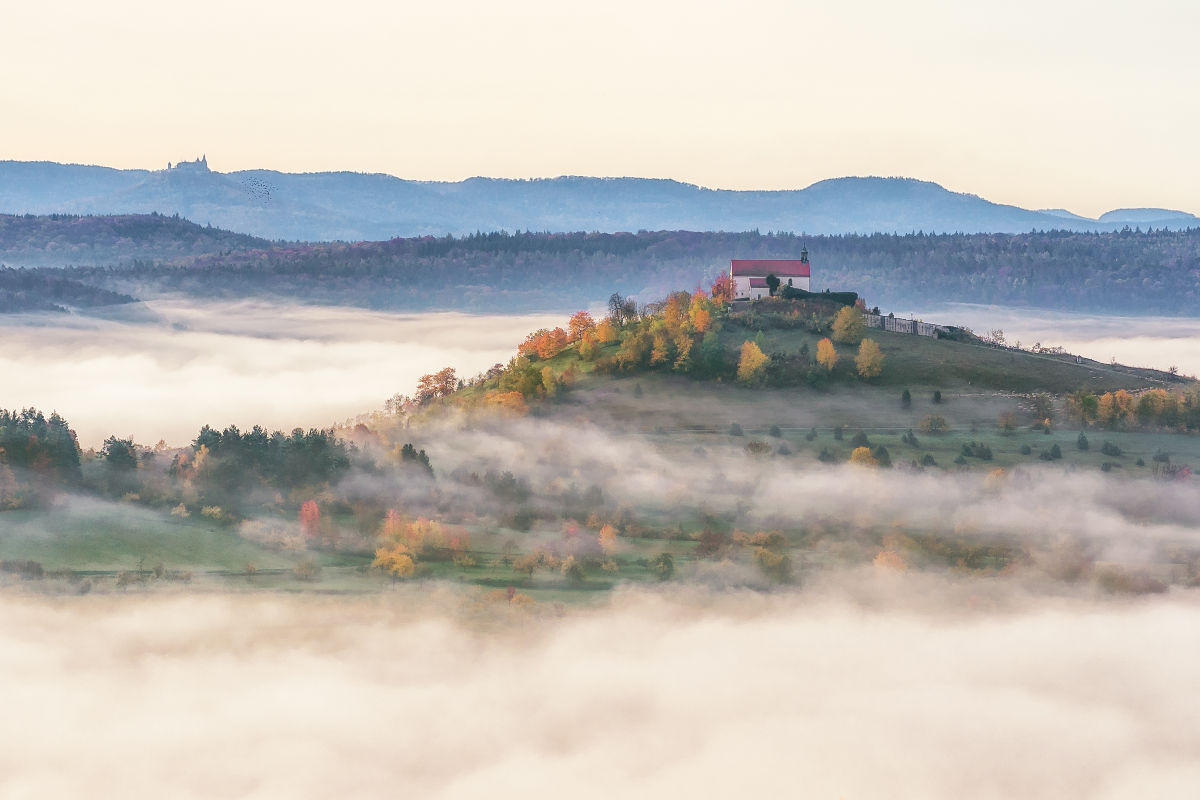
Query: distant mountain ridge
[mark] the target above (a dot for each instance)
(352, 206)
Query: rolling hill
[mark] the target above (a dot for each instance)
(351, 206)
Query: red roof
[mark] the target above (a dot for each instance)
(758, 283)
(779, 267)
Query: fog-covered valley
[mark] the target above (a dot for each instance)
(867, 685)
(163, 369)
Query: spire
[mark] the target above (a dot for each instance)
(803, 255)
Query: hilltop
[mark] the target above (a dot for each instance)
(349, 206)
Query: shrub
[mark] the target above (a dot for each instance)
(784, 450)
(906, 399)
(927, 460)
(1082, 441)
(1056, 452)
(1026, 450)
(1141, 462)
(882, 456)
(837, 433)
(1110, 449)
(934, 424)
(735, 430)
(937, 395)
(860, 440)
(811, 435)
(758, 448)
(774, 431)
(825, 456)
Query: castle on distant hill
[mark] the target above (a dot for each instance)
(199, 165)
(749, 276)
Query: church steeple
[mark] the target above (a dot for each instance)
(803, 255)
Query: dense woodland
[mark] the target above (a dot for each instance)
(1126, 272)
(26, 290)
(65, 239)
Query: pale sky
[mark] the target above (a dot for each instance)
(1054, 103)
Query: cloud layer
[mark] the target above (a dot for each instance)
(867, 686)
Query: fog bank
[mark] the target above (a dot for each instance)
(835, 692)
(164, 369)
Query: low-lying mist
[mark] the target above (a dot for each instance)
(164, 369)
(867, 685)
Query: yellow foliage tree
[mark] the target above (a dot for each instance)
(890, 560)
(863, 458)
(608, 539)
(869, 359)
(395, 559)
(606, 331)
(752, 365)
(827, 356)
(849, 327)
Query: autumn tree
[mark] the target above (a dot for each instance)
(580, 324)
(849, 327)
(395, 559)
(827, 356)
(310, 519)
(723, 289)
(752, 365)
(608, 539)
(863, 458)
(869, 359)
(442, 383)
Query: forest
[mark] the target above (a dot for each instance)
(56, 240)
(1131, 271)
(28, 290)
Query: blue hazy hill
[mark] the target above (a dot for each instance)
(358, 206)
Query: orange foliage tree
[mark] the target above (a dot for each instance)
(442, 383)
(581, 323)
(310, 519)
(543, 343)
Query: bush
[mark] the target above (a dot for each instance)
(1082, 441)
(910, 439)
(735, 430)
(934, 424)
(937, 395)
(1141, 462)
(1110, 449)
(811, 435)
(1161, 457)
(774, 431)
(663, 566)
(758, 448)
(860, 440)
(906, 399)
(1056, 452)
(975, 450)
(825, 456)
(837, 433)
(784, 450)
(1026, 450)
(882, 456)
(927, 460)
